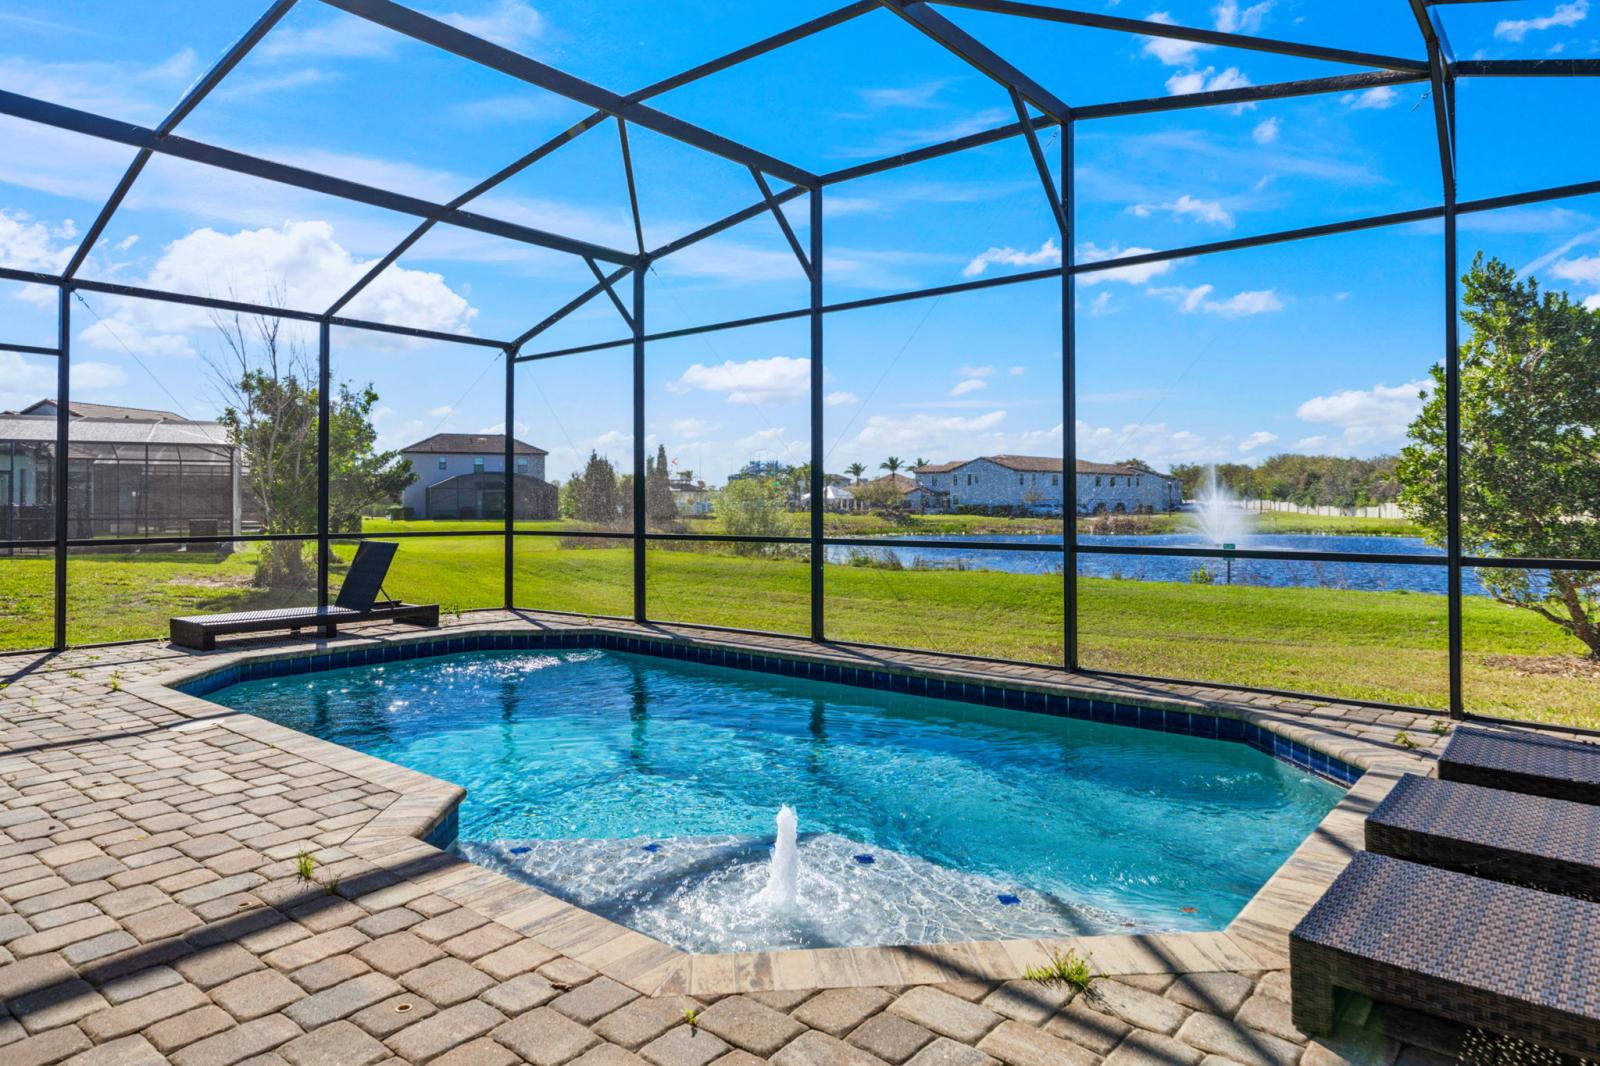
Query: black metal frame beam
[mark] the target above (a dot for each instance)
(92, 125)
(444, 36)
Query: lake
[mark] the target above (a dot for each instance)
(969, 552)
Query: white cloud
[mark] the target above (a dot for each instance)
(1259, 439)
(691, 428)
(1585, 268)
(296, 265)
(510, 23)
(929, 432)
(1379, 99)
(841, 399)
(443, 411)
(1592, 303)
(341, 37)
(754, 381)
(1018, 371)
(1266, 131)
(1208, 80)
(1173, 53)
(907, 96)
(1568, 14)
(1047, 254)
(976, 371)
(1138, 274)
(1368, 416)
(25, 380)
(1198, 299)
(29, 245)
(1231, 18)
(1187, 206)
(1101, 304)
(969, 385)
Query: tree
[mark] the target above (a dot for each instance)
(1138, 464)
(919, 464)
(880, 495)
(658, 505)
(595, 493)
(752, 508)
(891, 464)
(1529, 446)
(269, 404)
(855, 470)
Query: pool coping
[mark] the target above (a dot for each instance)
(420, 823)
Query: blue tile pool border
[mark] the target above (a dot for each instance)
(1061, 704)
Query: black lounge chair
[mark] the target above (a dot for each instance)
(1493, 956)
(1548, 844)
(1523, 760)
(357, 602)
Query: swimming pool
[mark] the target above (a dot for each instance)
(645, 790)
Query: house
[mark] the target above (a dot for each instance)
(462, 475)
(891, 490)
(1033, 484)
(691, 498)
(131, 472)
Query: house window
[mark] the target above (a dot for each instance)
(969, 479)
(1055, 479)
(1113, 482)
(1022, 479)
(1097, 481)
(477, 465)
(522, 466)
(444, 464)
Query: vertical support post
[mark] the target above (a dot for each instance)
(1069, 404)
(510, 478)
(1452, 390)
(324, 417)
(818, 455)
(639, 600)
(63, 419)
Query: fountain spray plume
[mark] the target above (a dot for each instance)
(1221, 518)
(785, 869)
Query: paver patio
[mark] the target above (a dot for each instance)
(151, 910)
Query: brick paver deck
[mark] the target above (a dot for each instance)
(152, 909)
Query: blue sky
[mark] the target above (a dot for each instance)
(1317, 347)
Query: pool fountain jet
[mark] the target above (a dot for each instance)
(785, 870)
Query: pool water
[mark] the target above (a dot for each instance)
(645, 790)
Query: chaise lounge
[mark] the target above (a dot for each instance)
(1549, 844)
(1523, 761)
(357, 602)
(1499, 957)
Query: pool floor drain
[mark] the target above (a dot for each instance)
(402, 1008)
(1008, 900)
(865, 860)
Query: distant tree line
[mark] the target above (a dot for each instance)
(1308, 480)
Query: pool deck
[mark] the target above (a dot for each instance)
(151, 909)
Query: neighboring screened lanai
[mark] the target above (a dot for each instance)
(706, 260)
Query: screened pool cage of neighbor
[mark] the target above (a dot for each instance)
(809, 601)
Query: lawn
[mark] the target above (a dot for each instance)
(1387, 646)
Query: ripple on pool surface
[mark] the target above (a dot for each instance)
(703, 893)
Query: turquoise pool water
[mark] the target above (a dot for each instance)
(645, 789)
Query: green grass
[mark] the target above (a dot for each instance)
(1387, 646)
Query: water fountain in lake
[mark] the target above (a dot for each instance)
(785, 869)
(1221, 518)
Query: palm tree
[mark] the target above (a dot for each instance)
(891, 464)
(855, 470)
(919, 464)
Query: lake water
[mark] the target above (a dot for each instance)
(969, 552)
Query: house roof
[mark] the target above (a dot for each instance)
(1042, 464)
(79, 409)
(42, 428)
(470, 444)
